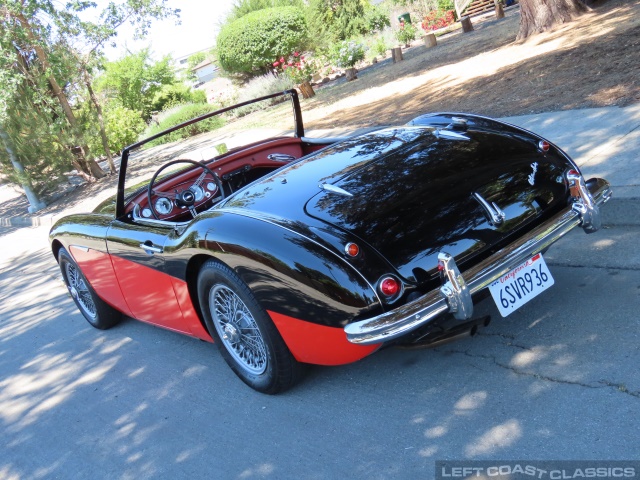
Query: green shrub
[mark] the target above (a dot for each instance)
(406, 34)
(122, 126)
(347, 54)
(198, 96)
(383, 41)
(176, 94)
(182, 114)
(249, 44)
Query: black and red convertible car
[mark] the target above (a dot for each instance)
(297, 250)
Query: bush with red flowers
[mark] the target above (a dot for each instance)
(437, 19)
(298, 68)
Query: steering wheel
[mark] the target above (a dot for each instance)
(187, 197)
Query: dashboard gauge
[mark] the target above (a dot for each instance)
(146, 212)
(164, 206)
(212, 187)
(198, 192)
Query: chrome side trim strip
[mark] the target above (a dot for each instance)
(404, 319)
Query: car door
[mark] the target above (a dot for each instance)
(137, 256)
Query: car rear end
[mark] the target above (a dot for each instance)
(462, 206)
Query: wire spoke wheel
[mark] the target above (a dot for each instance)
(79, 291)
(238, 329)
(245, 335)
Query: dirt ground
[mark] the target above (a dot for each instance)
(591, 62)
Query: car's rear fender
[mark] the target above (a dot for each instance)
(309, 291)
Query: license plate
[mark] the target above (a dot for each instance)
(521, 284)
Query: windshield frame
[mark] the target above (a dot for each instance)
(299, 133)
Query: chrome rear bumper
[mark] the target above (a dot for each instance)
(455, 295)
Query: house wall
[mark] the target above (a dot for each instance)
(206, 73)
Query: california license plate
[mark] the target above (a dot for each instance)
(521, 284)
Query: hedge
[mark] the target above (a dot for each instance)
(251, 44)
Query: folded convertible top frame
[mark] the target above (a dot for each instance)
(455, 295)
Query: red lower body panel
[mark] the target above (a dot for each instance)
(98, 269)
(191, 318)
(317, 344)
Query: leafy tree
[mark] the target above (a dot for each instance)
(133, 80)
(377, 18)
(243, 7)
(331, 21)
(350, 19)
(43, 68)
(250, 44)
(24, 31)
(33, 151)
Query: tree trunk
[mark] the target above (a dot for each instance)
(103, 133)
(467, 26)
(306, 90)
(90, 166)
(396, 53)
(430, 40)
(540, 15)
(35, 203)
(499, 9)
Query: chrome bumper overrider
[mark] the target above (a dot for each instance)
(454, 296)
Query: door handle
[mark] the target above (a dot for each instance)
(150, 248)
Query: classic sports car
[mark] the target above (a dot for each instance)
(295, 250)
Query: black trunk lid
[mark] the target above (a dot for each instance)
(418, 199)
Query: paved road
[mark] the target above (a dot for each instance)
(557, 379)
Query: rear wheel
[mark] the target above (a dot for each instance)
(98, 313)
(246, 337)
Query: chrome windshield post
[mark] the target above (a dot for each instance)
(454, 290)
(584, 204)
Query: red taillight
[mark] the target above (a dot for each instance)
(352, 249)
(389, 286)
(543, 146)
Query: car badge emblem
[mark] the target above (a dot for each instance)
(532, 175)
(496, 216)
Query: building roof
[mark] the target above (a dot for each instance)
(202, 64)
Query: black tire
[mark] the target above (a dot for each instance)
(261, 360)
(98, 313)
